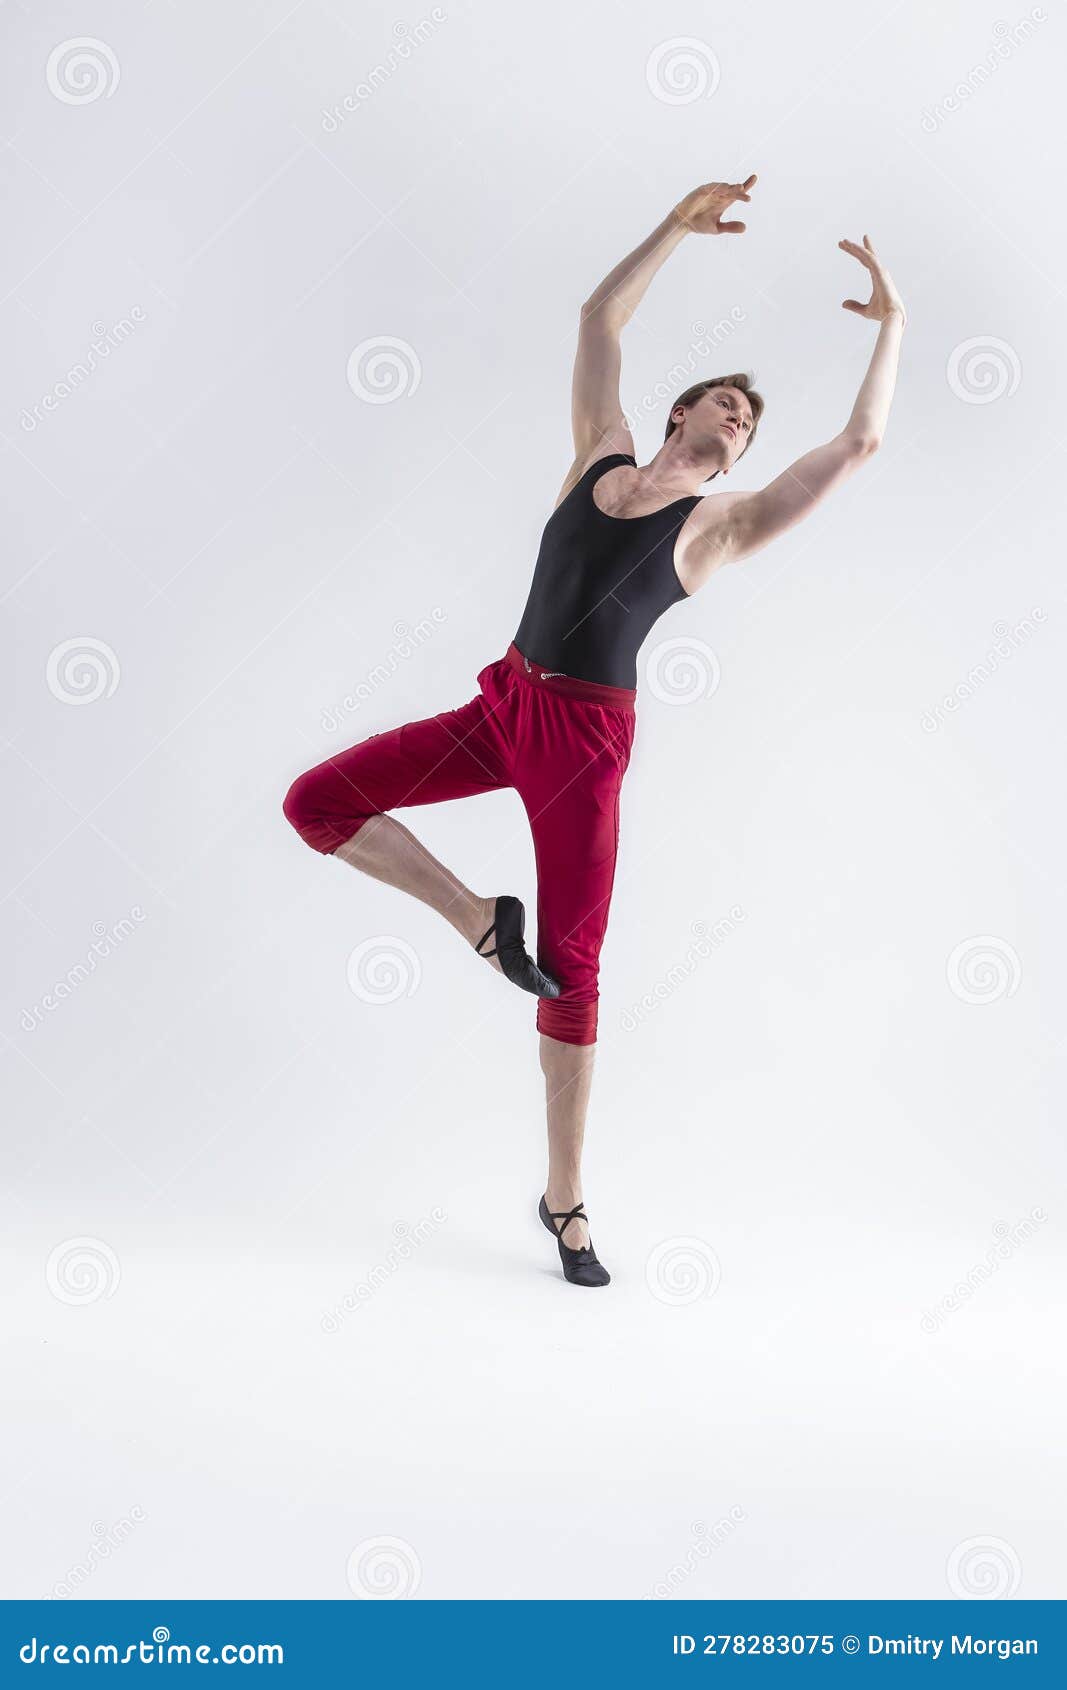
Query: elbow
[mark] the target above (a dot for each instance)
(609, 313)
(864, 445)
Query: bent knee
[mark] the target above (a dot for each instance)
(305, 808)
(299, 806)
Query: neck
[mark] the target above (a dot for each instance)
(679, 466)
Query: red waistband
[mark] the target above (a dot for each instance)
(617, 698)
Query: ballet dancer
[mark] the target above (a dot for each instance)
(554, 717)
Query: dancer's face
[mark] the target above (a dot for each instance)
(717, 426)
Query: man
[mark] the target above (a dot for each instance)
(554, 718)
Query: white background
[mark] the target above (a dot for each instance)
(839, 1109)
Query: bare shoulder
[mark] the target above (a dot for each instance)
(618, 439)
(708, 538)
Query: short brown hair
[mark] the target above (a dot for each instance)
(741, 381)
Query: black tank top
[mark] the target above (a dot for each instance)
(600, 583)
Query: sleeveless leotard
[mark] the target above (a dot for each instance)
(600, 582)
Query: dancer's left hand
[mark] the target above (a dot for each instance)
(884, 296)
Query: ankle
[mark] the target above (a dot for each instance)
(563, 1196)
(475, 916)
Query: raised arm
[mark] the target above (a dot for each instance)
(597, 420)
(756, 518)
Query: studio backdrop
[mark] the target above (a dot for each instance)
(290, 296)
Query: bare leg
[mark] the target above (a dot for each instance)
(386, 850)
(568, 1071)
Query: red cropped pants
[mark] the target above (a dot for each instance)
(563, 745)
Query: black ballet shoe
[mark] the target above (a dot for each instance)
(516, 963)
(581, 1267)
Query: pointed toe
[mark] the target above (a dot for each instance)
(516, 963)
(580, 1267)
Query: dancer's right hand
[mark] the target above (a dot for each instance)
(702, 209)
